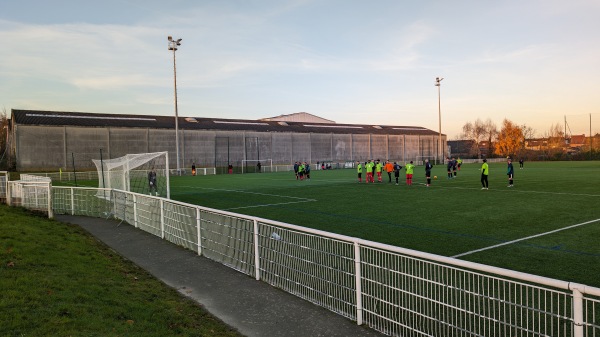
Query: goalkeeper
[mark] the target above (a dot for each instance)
(152, 181)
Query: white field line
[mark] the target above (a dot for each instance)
(526, 238)
(266, 205)
(300, 200)
(516, 190)
(238, 191)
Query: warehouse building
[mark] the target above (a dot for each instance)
(49, 140)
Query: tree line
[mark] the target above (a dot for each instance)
(518, 141)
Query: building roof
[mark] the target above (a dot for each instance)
(87, 119)
(577, 140)
(303, 117)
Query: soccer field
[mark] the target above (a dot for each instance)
(548, 224)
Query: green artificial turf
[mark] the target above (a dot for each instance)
(449, 218)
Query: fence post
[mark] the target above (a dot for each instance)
(359, 309)
(135, 216)
(50, 210)
(577, 310)
(162, 219)
(72, 200)
(198, 232)
(256, 252)
(8, 197)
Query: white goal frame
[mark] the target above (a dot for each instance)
(420, 160)
(255, 161)
(116, 173)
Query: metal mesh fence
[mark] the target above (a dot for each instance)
(393, 290)
(317, 269)
(441, 300)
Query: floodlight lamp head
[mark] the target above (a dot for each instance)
(179, 42)
(170, 38)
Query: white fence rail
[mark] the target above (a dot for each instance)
(34, 195)
(397, 291)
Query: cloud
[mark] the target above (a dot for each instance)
(78, 54)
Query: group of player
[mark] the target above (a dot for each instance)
(374, 168)
(453, 165)
(302, 170)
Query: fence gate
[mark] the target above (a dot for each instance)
(33, 195)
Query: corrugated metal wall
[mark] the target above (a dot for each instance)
(48, 148)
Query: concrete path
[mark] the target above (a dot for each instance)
(252, 307)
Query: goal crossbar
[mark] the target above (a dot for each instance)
(251, 165)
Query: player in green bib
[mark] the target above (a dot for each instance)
(409, 172)
(485, 171)
(359, 169)
(369, 166)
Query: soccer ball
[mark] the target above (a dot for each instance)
(434, 177)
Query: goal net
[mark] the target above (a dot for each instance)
(420, 160)
(252, 165)
(146, 173)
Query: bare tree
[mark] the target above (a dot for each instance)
(4, 132)
(479, 131)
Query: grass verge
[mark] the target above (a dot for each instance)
(57, 280)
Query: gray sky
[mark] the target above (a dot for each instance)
(532, 62)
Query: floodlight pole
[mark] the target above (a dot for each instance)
(441, 153)
(173, 46)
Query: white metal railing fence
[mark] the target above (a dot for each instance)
(397, 291)
(4, 178)
(34, 195)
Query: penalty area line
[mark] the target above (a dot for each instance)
(247, 192)
(267, 205)
(525, 238)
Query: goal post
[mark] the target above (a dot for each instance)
(420, 160)
(251, 165)
(145, 173)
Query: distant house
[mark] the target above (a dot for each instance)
(461, 148)
(536, 144)
(576, 142)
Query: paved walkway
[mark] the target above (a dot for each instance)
(252, 307)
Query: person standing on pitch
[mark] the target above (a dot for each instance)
(307, 170)
(510, 171)
(193, 168)
(397, 169)
(369, 168)
(359, 169)
(485, 171)
(296, 166)
(378, 169)
(409, 172)
(449, 167)
(521, 164)
(389, 168)
(428, 168)
(152, 181)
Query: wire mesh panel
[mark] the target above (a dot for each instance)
(4, 178)
(123, 206)
(406, 296)
(228, 240)
(591, 316)
(180, 225)
(33, 195)
(81, 201)
(147, 214)
(315, 268)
